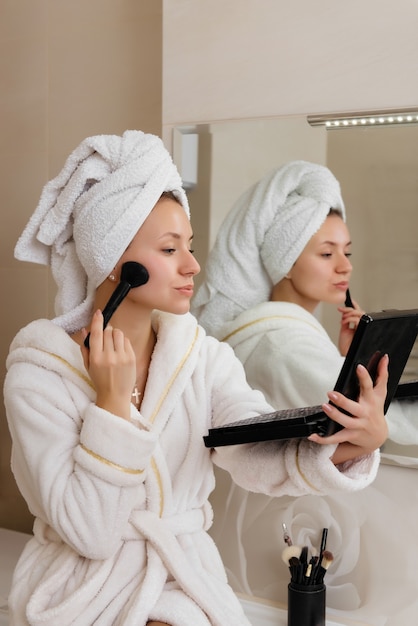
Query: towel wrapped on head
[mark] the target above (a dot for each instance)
(91, 211)
(261, 238)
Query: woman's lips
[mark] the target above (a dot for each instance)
(343, 286)
(187, 290)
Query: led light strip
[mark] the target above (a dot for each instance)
(333, 121)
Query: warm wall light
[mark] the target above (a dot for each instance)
(336, 121)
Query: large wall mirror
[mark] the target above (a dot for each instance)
(378, 172)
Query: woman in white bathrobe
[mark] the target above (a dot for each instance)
(108, 441)
(282, 250)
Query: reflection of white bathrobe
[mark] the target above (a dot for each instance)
(289, 356)
(286, 353)
(121, 513)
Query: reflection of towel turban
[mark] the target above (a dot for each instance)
(90, 212)
(261, 238)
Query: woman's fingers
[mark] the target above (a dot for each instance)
(365, 425)
(382, 374)
(111, 364)
(105, 340)
(96, 331)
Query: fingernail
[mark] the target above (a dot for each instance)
(332, 395)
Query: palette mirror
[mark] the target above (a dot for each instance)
(377, 169)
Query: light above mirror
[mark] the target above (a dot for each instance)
(344, 120)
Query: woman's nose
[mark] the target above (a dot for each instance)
(191, 266)
(344, 264)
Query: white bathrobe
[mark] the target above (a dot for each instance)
(122, 513)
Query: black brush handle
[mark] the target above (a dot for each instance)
(348, 300)
(132, 275)
(114, 301)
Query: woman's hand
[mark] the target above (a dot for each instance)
(365, 429)
(111, 364)
(350, 318)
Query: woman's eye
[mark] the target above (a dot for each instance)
(169, 250)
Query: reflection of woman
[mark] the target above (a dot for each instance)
(285, 350)
(260, 296)
(282, 250)
(118, 481)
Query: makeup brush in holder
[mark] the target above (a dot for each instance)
(132, 275)
(306, 590)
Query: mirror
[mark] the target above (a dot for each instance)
(377, 169)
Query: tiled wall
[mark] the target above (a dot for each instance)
(67, 70)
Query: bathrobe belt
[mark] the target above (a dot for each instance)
(147, 523)
(206, 590)
(165, 554)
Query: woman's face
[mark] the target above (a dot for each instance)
(323, 270)
(163, 246)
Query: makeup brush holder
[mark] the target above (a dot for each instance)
(306, 605)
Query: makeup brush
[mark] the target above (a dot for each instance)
(310, 570)
(327, 559)
(322, 548)
(132, 275)
(303, 561)
(294, 567)
(323, 545)
(304, 556)
(286, 537)
(291, 551)
(348, 300)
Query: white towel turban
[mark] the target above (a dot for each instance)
(91, 211)
(261, 238)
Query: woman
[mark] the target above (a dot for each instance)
(108, 441)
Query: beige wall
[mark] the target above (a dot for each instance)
(377, 169)
(228, 59)
(68, 70)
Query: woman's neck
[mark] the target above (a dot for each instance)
(284, 292)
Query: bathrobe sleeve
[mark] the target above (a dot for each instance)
(275, 468)
(80, 468)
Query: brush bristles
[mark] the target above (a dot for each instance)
(327, 559)
(291, 551)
